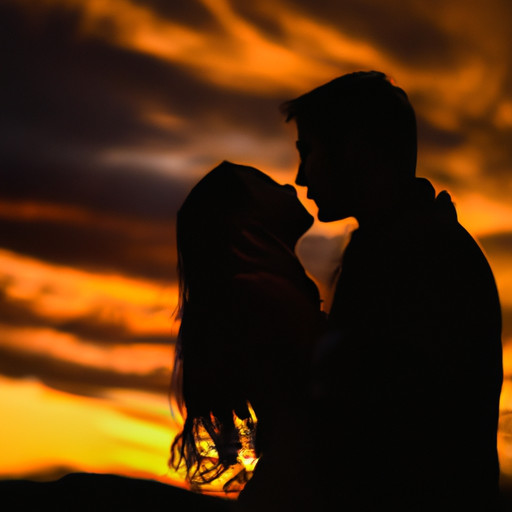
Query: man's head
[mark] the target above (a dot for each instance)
(357, 143)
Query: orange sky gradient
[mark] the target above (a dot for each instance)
(115, 108)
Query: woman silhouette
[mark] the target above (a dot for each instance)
(250, 317)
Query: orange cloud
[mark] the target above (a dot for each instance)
(121, 358)
(482, 214)
(61, 292)
(238, 56)
(48, 429)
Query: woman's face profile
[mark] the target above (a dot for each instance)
(276, 206)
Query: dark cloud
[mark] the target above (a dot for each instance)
(18, 312)
(79, 379)
(131, 225)
(94, 248)
(498, 248)
(262, 15)
(127, 192)
(398, 27)
(498, 243)
(95, 326)
(62, 91)
(431, 136)
(67, 99)
(507, 323)
(189, 12)
(496, 151)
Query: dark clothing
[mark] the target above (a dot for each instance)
(414, 367)
(278, 317)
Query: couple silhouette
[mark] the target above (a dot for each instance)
(390, 401)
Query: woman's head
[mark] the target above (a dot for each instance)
(228, 223)
(233, 197)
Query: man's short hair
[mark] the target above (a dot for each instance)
(365, 104)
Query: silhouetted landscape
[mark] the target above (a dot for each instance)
(81, 492)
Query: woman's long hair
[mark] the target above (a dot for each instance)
(217, 239)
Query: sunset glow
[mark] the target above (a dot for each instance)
(69, 432)
(115, 108)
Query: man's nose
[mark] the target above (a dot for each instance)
(300, 179)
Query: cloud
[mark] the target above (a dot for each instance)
(497, 247)
(385, 24)
(62, 296)
(122, 83)
(147, 253)
(81, 98)
(98, 325)
(506, 312)
(81, 331)
(62, 91)
(75, 377)
(113, 220)
(80, 433)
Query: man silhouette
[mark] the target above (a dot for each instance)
(408, 380)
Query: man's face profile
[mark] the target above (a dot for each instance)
(326, 172)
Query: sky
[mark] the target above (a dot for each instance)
(113, 109)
